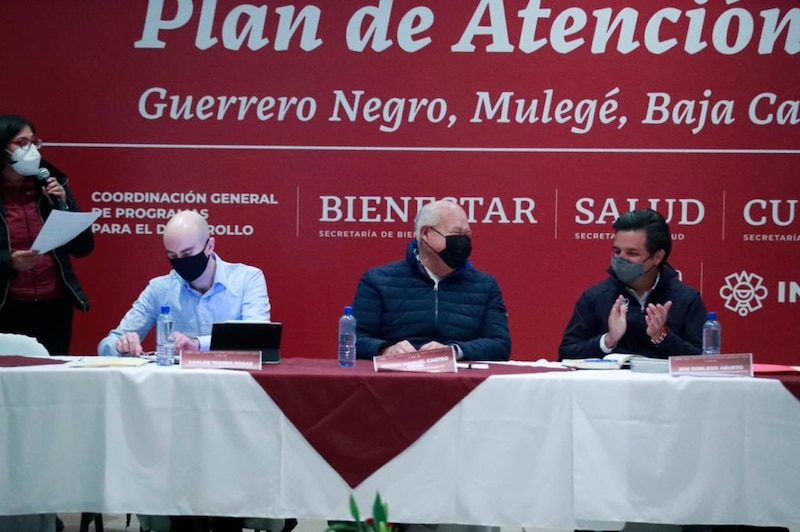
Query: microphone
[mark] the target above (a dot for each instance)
(42, 176)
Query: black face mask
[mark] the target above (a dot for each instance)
(192, 267)
(456, 250)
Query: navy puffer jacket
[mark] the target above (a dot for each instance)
(399, 301)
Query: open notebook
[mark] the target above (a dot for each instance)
(610, 361)
(264, 336)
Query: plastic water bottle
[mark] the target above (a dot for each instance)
(712, 335)
(165, 341)
(347, 338)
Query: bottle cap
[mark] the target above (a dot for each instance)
(712, 316)
(164, 309)
(348, 309)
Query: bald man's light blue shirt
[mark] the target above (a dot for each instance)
(239, 292)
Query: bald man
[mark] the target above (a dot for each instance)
(200, 290)
(435, 297)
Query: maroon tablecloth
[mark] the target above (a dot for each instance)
(10, 361)
(357, 419)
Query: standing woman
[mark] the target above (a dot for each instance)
(38, 292)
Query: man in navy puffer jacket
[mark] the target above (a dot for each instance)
(435, 297)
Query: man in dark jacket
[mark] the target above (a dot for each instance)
(643, 307)
(435, 297)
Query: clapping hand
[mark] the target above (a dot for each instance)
(656, 318)
(617, 322)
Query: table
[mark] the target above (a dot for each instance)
(557, 450)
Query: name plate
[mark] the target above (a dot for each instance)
(732, 365)
(248, 360)
(441, 360)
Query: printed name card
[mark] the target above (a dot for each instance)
(433, 361)
(248, 360)
(733, 365)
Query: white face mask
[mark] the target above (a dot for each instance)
(26, 162)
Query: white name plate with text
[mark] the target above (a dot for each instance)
(248, 360)
(733, 365)
(441, 360)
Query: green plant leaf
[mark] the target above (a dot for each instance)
(354, 509)
(380, 511)
(341, 526)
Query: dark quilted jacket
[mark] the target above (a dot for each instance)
(398, 301)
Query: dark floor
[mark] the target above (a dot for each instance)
(116, 523)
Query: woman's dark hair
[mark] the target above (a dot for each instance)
(10, 126)
(654, 225)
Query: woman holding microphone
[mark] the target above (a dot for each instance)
(38, 292)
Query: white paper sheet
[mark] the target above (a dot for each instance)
(61, 227)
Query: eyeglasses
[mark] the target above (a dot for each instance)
(25, 144)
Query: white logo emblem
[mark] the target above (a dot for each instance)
(743, 292)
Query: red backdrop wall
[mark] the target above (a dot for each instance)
(544, 129)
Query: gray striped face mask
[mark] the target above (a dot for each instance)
(627, 271)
